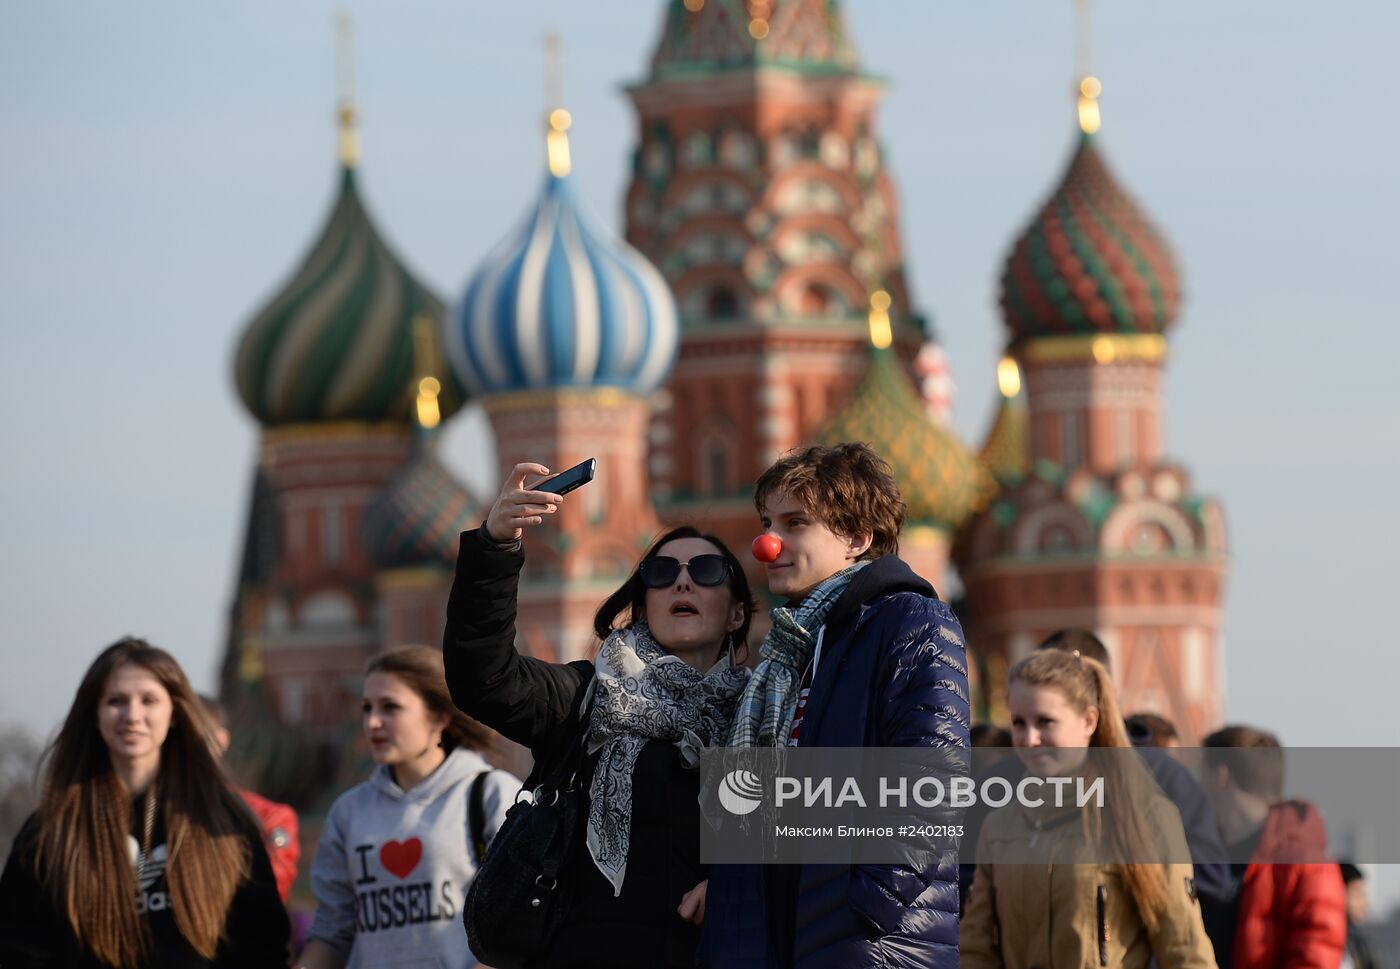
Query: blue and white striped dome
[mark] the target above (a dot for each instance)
(562, 302)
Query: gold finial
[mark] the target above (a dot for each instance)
(758, 18)
(345, 82)
(425, 365)
(881, 334)
(1009, 377)
(559, 120)
(1089, 118)
(1089, 87)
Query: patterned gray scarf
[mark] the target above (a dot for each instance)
(639, 693)
(766, 708)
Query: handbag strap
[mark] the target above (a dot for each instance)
(476, 816)
(561, 774)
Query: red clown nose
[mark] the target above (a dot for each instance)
(767, 547)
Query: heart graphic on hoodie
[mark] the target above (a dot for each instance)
(401, 857)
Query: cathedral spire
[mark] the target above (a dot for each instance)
(1088, 86)
(346, 115)
(559, 120)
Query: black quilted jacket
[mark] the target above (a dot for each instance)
(535, 703)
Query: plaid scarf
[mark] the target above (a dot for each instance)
(766, 708)
(640, 693)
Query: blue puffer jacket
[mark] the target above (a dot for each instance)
(893, 674)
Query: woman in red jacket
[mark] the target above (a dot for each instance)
(1286, 907)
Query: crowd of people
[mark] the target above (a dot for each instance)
(143, 854)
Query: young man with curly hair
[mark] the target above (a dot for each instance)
(862, 653)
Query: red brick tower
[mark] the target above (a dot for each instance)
(1094, 527)
(761, 191)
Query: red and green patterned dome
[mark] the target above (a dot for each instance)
(417, 519)
(1090, 261)
(942, 482)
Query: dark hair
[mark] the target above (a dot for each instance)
(1350, 873)
(989, 735)
(1259, 772)
(847, 487)
(631, 597)
(1080, 640)
(85, 816)
(1152, 728)
(421, 669)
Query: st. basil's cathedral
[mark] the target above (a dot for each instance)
(758, 302)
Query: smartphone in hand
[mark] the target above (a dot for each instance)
(567, 481)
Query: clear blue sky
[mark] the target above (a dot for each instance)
(164, 165)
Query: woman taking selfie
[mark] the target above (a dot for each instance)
(1045, 893)
(664, 683)
(141, 854)
(397, 852)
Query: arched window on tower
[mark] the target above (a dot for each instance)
(815, 301)
(713, 446)
(721, 303)
(718, 470)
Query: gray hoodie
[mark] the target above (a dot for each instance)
(393, 867)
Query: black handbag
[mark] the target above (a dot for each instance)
(518, 898)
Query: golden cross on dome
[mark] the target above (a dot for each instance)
(1089, 87)
(345, 84)
(559, 120)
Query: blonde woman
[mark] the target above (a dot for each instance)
(1071, 908)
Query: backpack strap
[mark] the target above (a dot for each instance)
(476, 816)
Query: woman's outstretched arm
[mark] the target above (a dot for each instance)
(523, 698)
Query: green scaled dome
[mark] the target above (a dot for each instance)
(417, 520)
(336, 344)
(941, 481)
(1090, 261)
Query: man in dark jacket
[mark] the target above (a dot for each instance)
(863, 654)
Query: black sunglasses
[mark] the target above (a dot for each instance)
(659, 571)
